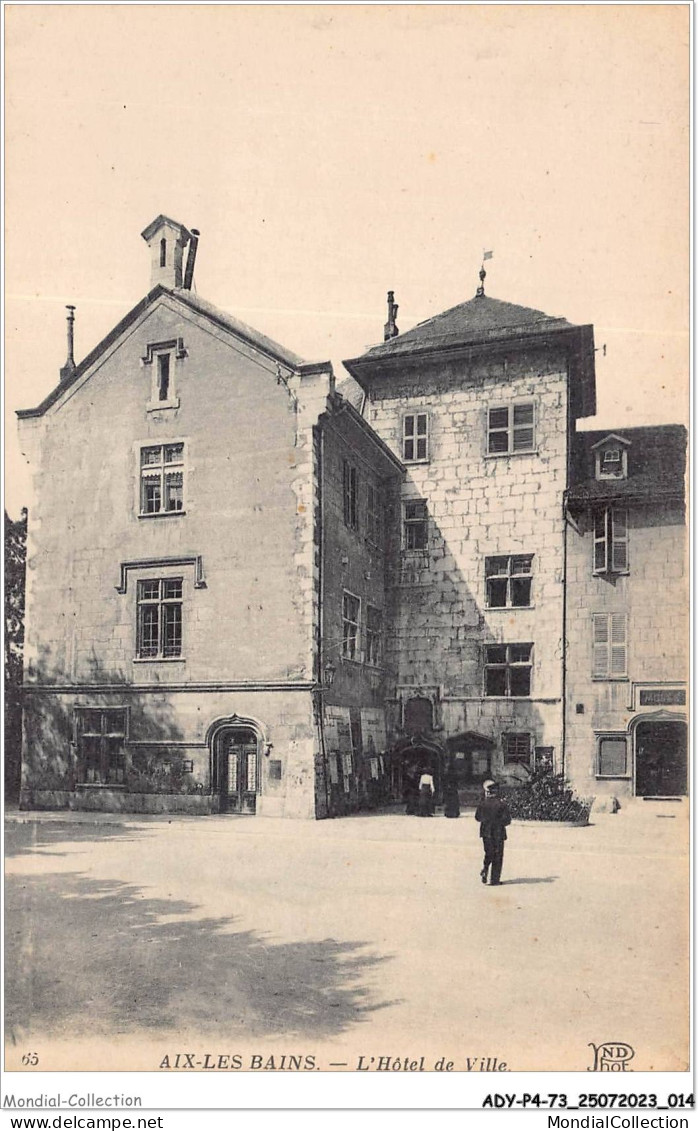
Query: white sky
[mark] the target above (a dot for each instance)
(331, 153)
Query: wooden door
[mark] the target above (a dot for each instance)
(238, 771)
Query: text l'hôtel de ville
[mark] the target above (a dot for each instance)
(297, 1062)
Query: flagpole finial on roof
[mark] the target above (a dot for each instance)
(480, 292)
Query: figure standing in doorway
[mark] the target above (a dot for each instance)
(426, 794)
(493, 815)
(451, 798)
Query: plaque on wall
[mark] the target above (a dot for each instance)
(662, 697)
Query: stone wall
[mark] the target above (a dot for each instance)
(247, 517)
(480, 505)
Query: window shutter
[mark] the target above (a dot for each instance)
(601, 542)
(619, 517)
(600, 645)
(619, 644)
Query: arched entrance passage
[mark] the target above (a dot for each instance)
(409, 758)
(235, 745)
(661, 756)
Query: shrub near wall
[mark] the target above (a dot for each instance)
(547, 797)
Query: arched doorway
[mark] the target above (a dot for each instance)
(661, 757)
(409, 758)
(235, 766)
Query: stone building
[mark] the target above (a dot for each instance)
(248, 593)
(481, 404)
(206, 549)
(627, 614)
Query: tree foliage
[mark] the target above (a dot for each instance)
(15, 574)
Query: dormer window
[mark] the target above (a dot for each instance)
(611, 458)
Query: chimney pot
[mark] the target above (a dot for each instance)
(390, 329)
(68, 369)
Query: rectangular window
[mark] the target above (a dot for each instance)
(101, 739)
(162, 479)
(351, 617)
(163, 376)
(374, 510)
(415, 525)
(511, 428)
(159, 633)
(610, 646)
(611, 540)
(612, 756)
(508, 670)
(374, 635)
(517, 747)
(415, 437)
(508, 581)
(351, 496)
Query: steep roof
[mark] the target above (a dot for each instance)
(253, 337)
(482, 324)
(479, 319)
(656, 464)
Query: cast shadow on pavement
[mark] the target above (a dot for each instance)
(530, 880)
(102, 957)
(21, 839)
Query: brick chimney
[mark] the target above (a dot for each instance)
(167, 240)
(390, 329)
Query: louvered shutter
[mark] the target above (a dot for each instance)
(619, 644)
(601, 542)
(600, 645)
(620, 539)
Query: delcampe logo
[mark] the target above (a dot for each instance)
(611, 1056)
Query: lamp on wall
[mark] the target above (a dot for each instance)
(329, 673)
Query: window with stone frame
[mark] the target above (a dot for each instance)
(415, 525)
(162, 479)
(374, 513)
(415, 437)
(612, 756)
(517, 747)
(610, 645)
(611, 540)
(100, 738)
(508, 670)
(374, 635)
(511, 428)
(351, 626)
(508, 581)
(159, 618)
(351, 496)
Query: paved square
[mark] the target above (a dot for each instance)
(134, 938)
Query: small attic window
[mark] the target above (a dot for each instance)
(611, 461)
(163, 252)
(163, 376)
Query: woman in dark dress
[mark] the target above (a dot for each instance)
(451, 798)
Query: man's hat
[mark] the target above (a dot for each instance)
(490, 785)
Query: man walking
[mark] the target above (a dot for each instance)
(493, 815)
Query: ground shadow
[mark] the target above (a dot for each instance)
(30, 836)
(101, 957)
(530, 880)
